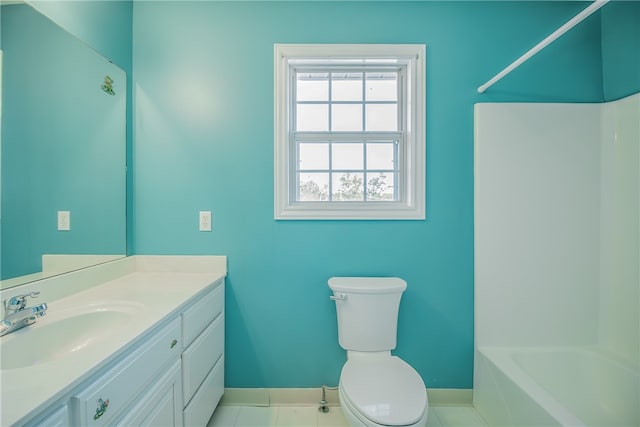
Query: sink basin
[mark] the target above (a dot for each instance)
(63, 333)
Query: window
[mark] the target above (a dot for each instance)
(349, 131)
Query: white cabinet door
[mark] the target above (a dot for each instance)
(161, 406)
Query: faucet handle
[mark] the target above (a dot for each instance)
(19, 302)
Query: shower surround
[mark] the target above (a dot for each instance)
(557, 283)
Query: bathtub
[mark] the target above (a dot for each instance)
(572, 386)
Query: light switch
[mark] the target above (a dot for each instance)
(64, 220)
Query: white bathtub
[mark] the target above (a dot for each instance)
(572, 386)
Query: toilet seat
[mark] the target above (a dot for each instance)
(387, 391)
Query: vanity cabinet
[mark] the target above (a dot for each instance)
(173, 376)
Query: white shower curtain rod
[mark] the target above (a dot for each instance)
(597, 4)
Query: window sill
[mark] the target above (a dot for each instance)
(349, 211)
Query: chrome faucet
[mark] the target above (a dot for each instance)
(18, 315)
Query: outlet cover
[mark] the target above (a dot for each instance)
(205, 220)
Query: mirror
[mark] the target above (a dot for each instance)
(62, 152)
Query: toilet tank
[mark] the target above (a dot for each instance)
(367, 309)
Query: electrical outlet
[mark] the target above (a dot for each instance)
(64, 220)
(205, 220)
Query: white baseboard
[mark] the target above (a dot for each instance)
(312, 396)
(450, 396)
(245, 397)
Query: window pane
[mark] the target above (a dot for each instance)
(347, 187)
(346, 117)
(381, 117)
(312, 89)
(313, 187)
(346, 87)
(380, 186)
(382, 87)
(313, 156)
(347, 156)
(312, 117)
(381, 156)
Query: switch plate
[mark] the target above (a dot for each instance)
(205, 220)
(64, 220)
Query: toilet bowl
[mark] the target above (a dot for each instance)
(376, 388)
(382, 391)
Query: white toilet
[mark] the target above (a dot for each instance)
(376, 388)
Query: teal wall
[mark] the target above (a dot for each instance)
(621, 49)
(62, 145)
(203, 76)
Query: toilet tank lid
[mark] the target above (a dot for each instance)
(367, 285)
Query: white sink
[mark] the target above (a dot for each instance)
(64, 333)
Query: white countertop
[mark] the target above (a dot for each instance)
(151, 296)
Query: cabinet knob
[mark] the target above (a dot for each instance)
(102, 408)
(173, 343)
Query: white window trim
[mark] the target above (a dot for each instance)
(413, 205)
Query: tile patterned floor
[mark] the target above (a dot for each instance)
(308, 416)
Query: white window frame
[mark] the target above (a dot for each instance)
(411, 203)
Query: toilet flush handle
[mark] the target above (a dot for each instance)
(338, 297)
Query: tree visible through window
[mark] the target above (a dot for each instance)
(349, 131)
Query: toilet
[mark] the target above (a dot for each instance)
(376, 388)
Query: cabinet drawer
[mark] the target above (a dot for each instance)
(99, 403)
(201, 407)
(196, 318)
(199, 358)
